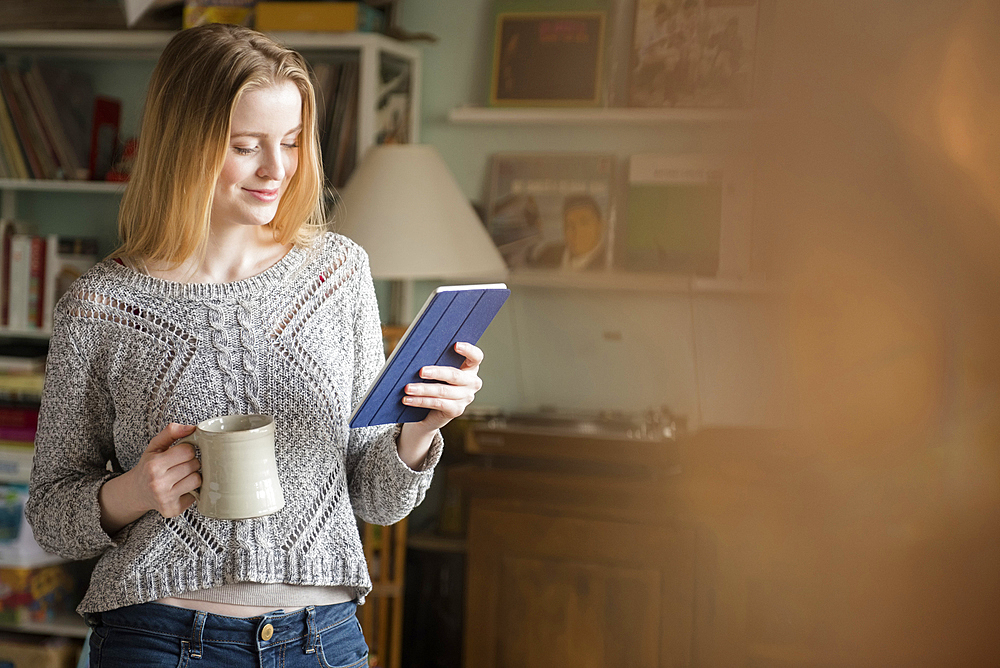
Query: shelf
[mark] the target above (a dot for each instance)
(636, 282)
(7, 332)
(153, 41)
(52, 185)
(66, 625)
(594, 116)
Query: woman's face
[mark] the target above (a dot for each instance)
(261, 158)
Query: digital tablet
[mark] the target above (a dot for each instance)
(451, 314)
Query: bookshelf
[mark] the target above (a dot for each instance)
(120, 63)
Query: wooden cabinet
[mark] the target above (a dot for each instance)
(547, 589)
(577, 564)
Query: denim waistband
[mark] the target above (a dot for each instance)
(203, 627)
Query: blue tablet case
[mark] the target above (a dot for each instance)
(450, 315)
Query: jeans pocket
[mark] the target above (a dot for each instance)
(118, 647)
(343, 645)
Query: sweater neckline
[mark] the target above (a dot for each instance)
(256, 285)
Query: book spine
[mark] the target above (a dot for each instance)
(8, 138)
(18, 434)
(51, 124)
(50, 281)
(17, 286)
(104, 135)
(19, 416)
(36, 281)
(20, 125)
(36, 136)
(15, 462)
(318, 16)
(23, 384)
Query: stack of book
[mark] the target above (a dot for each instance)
(337, 99)
(34, 272)
(52, 126)
(22, 372)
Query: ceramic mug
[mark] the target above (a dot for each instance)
(239, 475)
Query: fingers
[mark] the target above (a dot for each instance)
(473, 355)
(451, 376)
(168, 435)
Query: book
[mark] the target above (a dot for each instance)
(72, 94)
(318, 17)
(52, 125)
(17, 167)
(342, 125)
(451, 314)
(25, 384)
(104, 135)
(44, 148)
(12, 415)
(19, 276)
(8, 228)
(20, 123)
(693, 54)
(552, 210)
(36, 278)
(67, 258)
(687, 214)
(548, 53)
(15, 462)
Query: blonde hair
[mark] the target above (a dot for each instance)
(201, 75)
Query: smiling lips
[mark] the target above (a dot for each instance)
(264, 195)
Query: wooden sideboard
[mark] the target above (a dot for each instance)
(578, 556)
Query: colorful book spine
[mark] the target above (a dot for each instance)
(8, 140)
(18, 281)
(19, 416)
(36, 280)
(17, 114)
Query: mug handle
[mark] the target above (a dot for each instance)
(193, 440)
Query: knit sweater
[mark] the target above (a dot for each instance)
(131, 353)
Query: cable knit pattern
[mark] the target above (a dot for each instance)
(131, 353)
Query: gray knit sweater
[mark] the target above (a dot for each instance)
(131, 353)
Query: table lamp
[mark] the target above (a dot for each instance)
(403, 206)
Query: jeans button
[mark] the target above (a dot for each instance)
(266, 632)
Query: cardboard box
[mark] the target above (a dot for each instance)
(18, 650)
(318, 17)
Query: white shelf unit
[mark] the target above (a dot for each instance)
(114, 44)
(638, 282)
(471, 115)
(111, 45)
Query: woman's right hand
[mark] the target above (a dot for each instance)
(160, 481)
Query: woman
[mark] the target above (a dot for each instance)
(225, 297)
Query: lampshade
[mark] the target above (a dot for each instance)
(403, 206)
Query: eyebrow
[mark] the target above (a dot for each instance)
(261, 135)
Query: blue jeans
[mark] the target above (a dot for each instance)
(165, 636)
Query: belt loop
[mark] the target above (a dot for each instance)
(197, 628)
(311, 630)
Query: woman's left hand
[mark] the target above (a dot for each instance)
(449, 398)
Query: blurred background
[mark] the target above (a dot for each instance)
(790, 458)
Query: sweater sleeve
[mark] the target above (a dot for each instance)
(382, 487)
(72, 448)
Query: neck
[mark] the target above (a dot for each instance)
(231, 254)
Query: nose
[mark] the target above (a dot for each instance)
(272, 165)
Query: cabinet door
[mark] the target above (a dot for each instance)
(546, 590)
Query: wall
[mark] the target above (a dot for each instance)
(715, 359)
